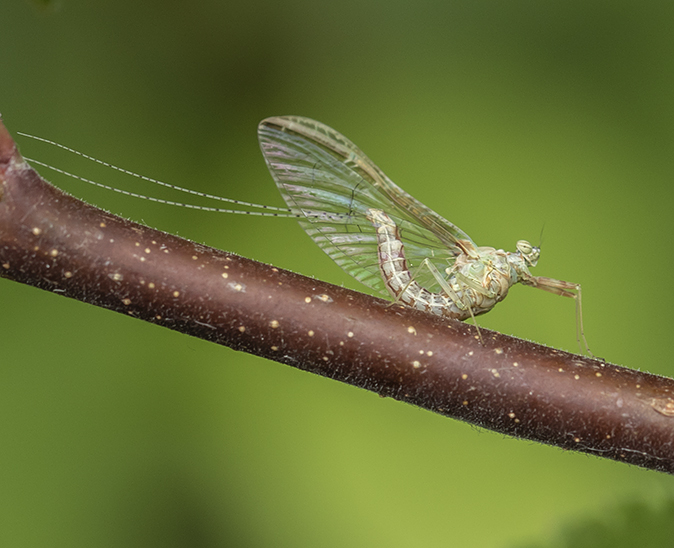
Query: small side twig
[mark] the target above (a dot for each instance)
(53, 241)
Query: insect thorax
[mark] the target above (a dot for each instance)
(487, 278)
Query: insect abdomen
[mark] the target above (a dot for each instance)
(397, 276)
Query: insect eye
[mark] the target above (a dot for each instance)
(524, 247)
(529, 252)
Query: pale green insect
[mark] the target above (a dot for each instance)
(376, 231)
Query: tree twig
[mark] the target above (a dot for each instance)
(53, 241)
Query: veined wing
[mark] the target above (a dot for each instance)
(330, 182)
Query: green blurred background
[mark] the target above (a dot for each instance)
(502, 116)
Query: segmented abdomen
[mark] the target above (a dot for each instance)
(397, 277)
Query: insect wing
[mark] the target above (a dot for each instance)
(327, 180)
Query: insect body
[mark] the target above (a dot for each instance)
(384, 237)
(473, 284)
(377, 232)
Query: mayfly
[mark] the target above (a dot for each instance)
(377, 232)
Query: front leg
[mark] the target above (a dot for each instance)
(558, 287)
(565, 289)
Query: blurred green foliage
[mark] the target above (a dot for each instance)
(44, 4)
(502, 116)
(631, 524)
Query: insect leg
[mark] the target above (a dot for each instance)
(565, 289)
(453, 295)
(475, 285)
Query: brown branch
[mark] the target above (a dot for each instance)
(58, 243)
